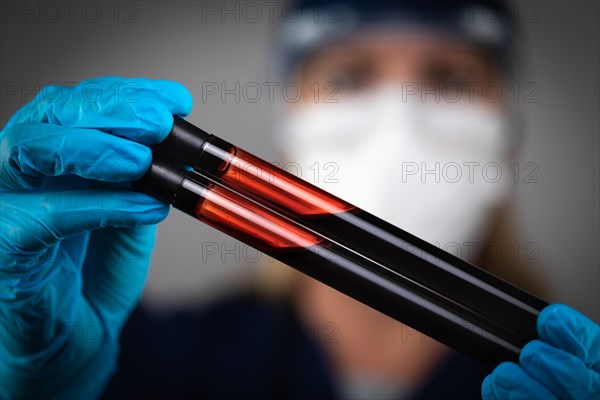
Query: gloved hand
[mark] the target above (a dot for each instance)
(75, 239)
(564, 364)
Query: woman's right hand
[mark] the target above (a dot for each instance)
(75, 240)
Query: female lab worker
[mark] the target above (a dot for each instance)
(76, 240)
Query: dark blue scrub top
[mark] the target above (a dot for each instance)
(246, 348)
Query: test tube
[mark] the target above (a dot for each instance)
(511, 311)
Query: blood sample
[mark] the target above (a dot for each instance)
(498, 303)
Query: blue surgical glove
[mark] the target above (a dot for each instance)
(564, 364)
(75, 239)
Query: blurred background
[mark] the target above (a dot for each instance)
(195, 43)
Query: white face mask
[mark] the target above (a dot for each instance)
(428, 168)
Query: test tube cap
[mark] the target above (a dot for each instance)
(162, 180)
(184, 143)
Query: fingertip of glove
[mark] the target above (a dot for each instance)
(500, 381)
(551, 318)
(559, 320)
(130, 164)
(553, 311)
(531, 351)
(165, 121)
(187, 102)
(182, 99)
(148, 210)
(486, 388)
(158, 214)
(504, 373)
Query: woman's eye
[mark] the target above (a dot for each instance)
(455, 82)
(443, 75)
(352, 79)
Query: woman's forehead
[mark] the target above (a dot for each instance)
(394, 42)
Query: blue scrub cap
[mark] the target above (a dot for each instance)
(309, 25)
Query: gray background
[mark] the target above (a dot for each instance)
(175, 40)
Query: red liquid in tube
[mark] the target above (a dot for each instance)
(489, 303)
(237, 216)
(250, 174)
